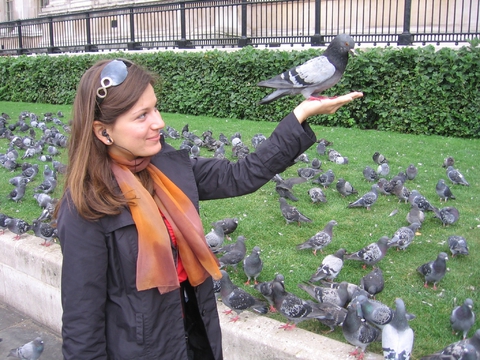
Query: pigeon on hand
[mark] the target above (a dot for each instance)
(345, 188)
(44, 231)
(369, 174)
(463, 317)
(443, 190)
(357, 332)
(330, 267)
(434, 270)
(320, 239)
(17, 226)
(317, 195)
(397, 336)
(238, 299)
(235, 254)
(291, 213)
(456, 177)
(415, 215)
(366, 200)
(404, 236)
(411, 172)
(457, 245)
(448, 161)
(379, 158)
(30, 351)
(229, 225)
(266, 289)
(215, 237)
(373, 282)
(372, 253)
(448, 215)
(325, 179)
(337, 296)
(314, 76)
(253, 265)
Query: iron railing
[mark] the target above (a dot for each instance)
(237, 23)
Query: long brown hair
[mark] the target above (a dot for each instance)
(89, 179)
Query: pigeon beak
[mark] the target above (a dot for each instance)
(352, 52)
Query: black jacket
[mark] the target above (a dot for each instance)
(104, 316)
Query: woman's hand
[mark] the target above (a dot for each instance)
(323, 106)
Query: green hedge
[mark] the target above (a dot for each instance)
(408, 90)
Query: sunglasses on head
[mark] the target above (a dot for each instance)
(113, 74)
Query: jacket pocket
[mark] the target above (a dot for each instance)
(139, 328)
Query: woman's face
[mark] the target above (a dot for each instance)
(136, 133)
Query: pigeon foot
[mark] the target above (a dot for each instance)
(272, 309)
(288, 326)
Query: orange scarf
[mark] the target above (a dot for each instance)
(155, 263)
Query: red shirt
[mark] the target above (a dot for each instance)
(181, 273)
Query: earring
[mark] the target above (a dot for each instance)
(105, 134)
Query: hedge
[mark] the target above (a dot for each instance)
(409, 90)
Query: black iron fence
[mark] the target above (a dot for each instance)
(237, 23)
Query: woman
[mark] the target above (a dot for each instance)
(137, 273)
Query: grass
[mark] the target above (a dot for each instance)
(261, 222)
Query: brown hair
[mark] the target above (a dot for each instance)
(89, 179)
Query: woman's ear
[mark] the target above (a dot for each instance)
(101, 132)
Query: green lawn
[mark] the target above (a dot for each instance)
(261, 222)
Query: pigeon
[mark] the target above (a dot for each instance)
(337, 296)
(257, 139)
(463, 317)
(44, 231)
(291, 213)
(3, 224)
(30, 351)
(357, 332)
(48, 186)
(333, 155)
(448, 161)
(404, 236)
(266, 289)
(434, 270)
(330, 267)
(253, 265)
(302, 158)
(397, 336)
(320, 239)
(375, 312)
(194, 151)
(317, 195)
(379, 158)
(456, 177)
(238, 299)
(17, 226)
(353, 289)
(42, 199)
(415, 215)
(459, 349)
(229, 225)
(294, 308)
(366, 200)
(325, 179)
(369, 174)
(373, 282)
(235, 254)
(18, 180)
(314, 76)
(215, 237)
(443, 190)
(18, 192)
(401, 191)
(421, 201)
(384, 186)
(307, 173)
(321, 148)
(448, 215)
(411, 172)
(372, 253)
(316, 164)
(220, 151)
(284, 187)
(457, 245)
(30, 172)
(345, 188)
(383, 169)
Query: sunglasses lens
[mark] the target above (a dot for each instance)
(114, 73)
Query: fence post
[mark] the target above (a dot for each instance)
(132, 44)
(20, 41)
(406, 38)
(317, 39)
(183, 43)
(89, 47)
(244, 41)
(52, 49)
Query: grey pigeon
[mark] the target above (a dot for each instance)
(373, 282)
(18, 192)
(253, 265)
(404, 236)
(384, 186)
(379, 158)
(235, 255)
(374, 311)
(30, 351)
(17, 226)
(401, 191)
(345, 188)
(411, 172)
(284, 187)
(229, 247)
(220, 151)
(291, 213)
(316, 164)
(383, 169)
(357, 332)
(229, 225)
(317, 195)
(42, 199)
(448, 161)
(3, 224)
(18, 180)
(459, 350)
(266, 289)
(238, 299)
(294, 308)
(443, 190)
(302, 158)
(456, 177)
(372, 253)
(325, 179)
(215, 237)
(369, 174)
(314, 76)
(320, 239)
(421, 201)
(397, 336)
(257, 139)
(337, 296)
(353, 289)
(44, 231)
(457, 245)
(366, 200)
(415, 215)
(448, 215)
(321, 148)
(434, 271)
(462, 317)
(48, 186)
(333, 155)
(330, 267)
(308, 173)
(30, 172)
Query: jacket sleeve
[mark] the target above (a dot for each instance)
(84, 285)
(217, 179)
